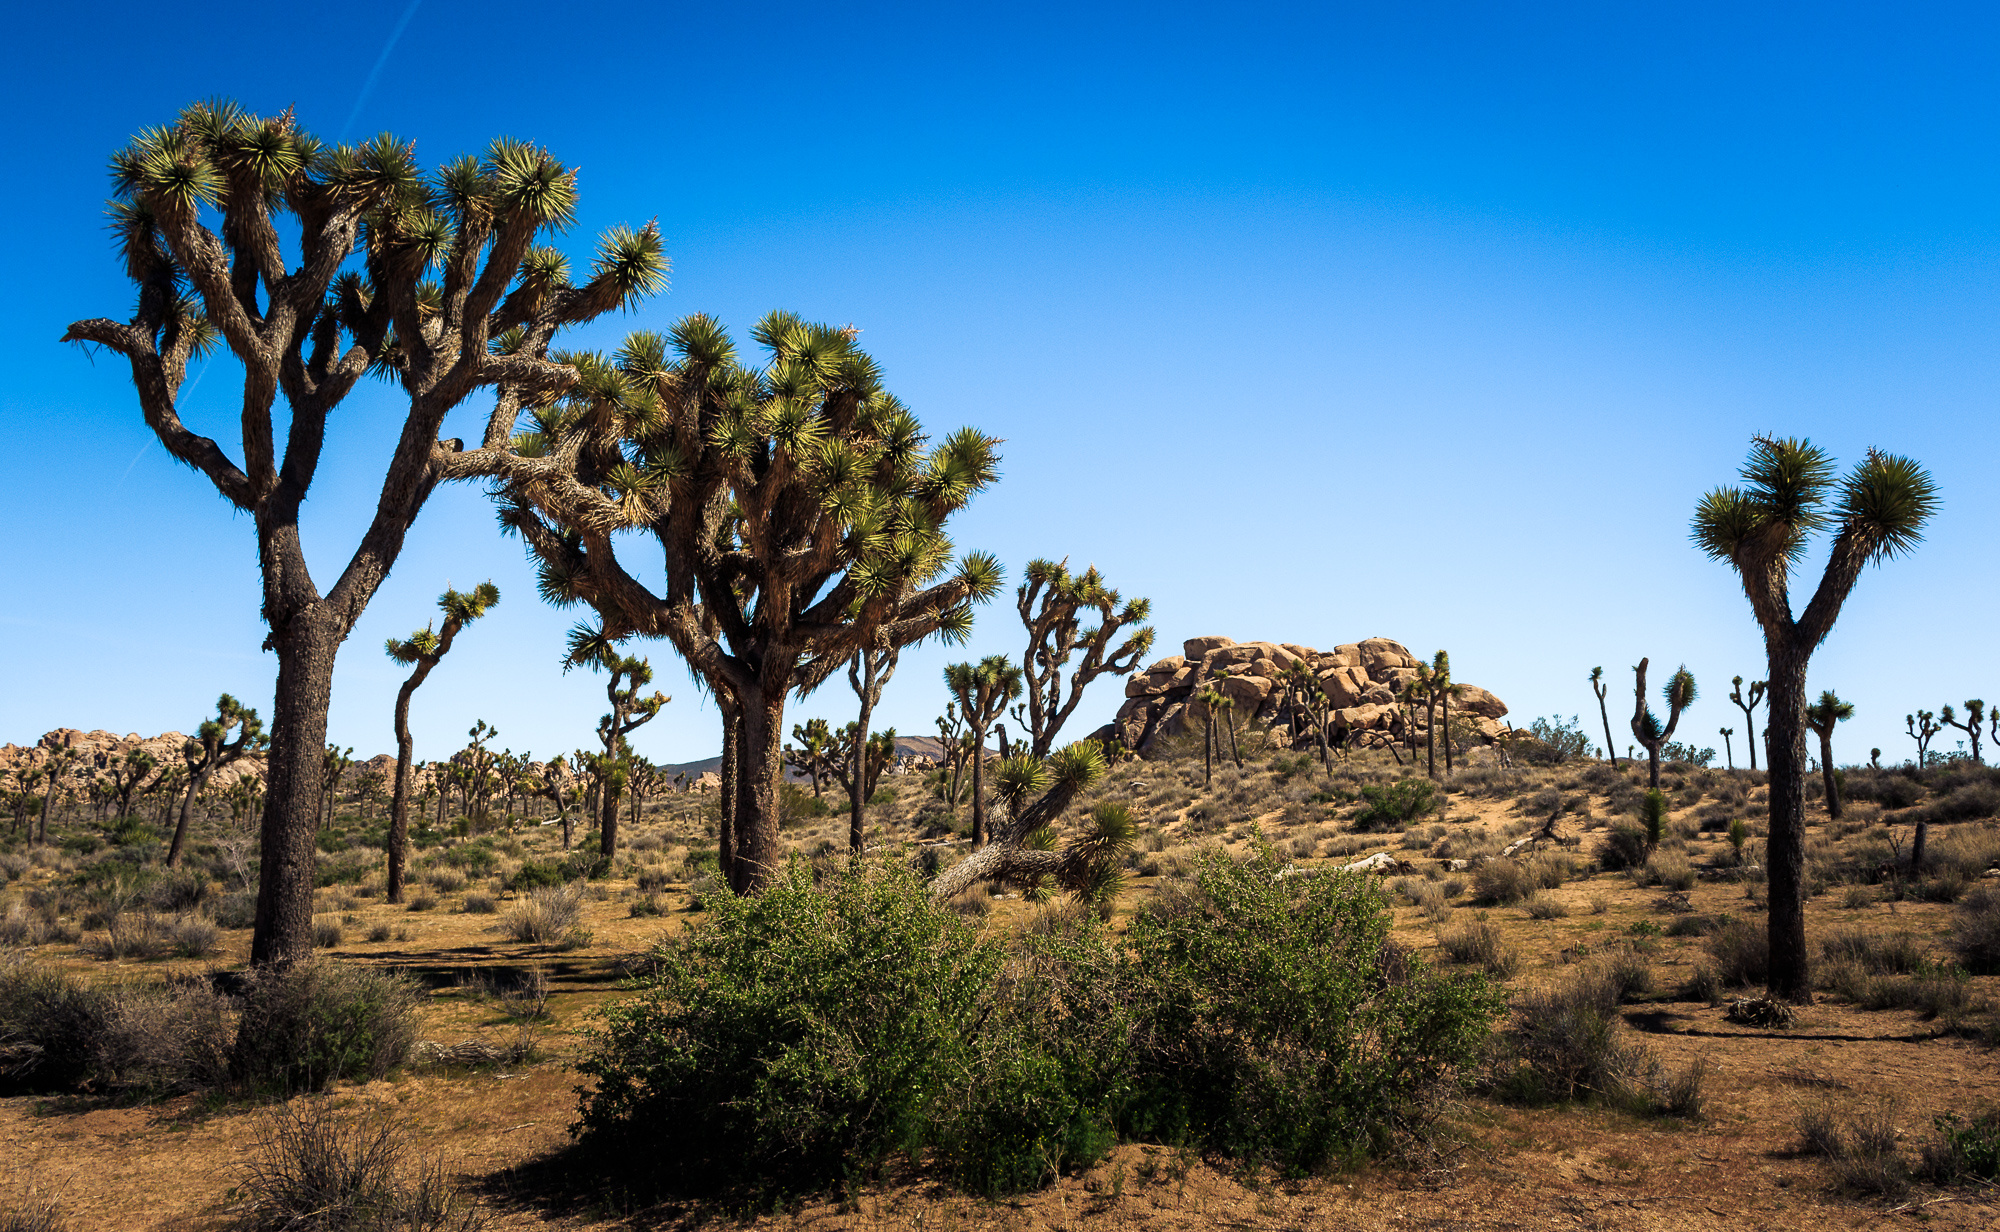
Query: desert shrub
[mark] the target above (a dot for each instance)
(1479, 942)
(1276, 1022)
(236, 910)
(1624, 846)
(1396, 804)
(193, 937)
(179, 890)
(314, 1171)
(1502, 882)
(1889, 788)
(1550, 869)
(1670, 870)
(1551, 742)
(49, 1023)
(326, 933)
(1740, 954)
(43, 1216)
(1878, 954)
(58, 1033)
(479, 904)
(1975, 932)
(422, 900)
(792, 1040)
(1540, 906)
(308, 1025)
(1858, 1147)
(548, 915)
(972, 901)
(535, 874)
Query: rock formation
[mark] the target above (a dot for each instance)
(98, 751)
(1361, 680)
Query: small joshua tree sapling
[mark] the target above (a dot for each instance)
(1599, 687)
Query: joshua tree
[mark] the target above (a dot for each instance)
(1679, 694)
(629, 711)
(1034, 794)
(200, 215)
(983, 690)
(859, 775)
(867, 673)
(1820, 717)
(1052, 601)
(1727, 751)
(424, 649)
(798, 513)
(336, 760)
(952, 748)
(1923, 728)
(210, 750)
(1875, 759)
(1748, 706)
(127, 775)
(1877, 512)
(1975, 718)
(815, 754)
(61, 761)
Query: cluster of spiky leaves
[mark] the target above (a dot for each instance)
(460, 608)
(803, 457)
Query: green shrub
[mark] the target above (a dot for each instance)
(1478, 942)
(1624, 847)
(1565, 1045)
(1502, 881)
(1276, 1022)
(1397, 804)
(59, 1034)
(313, 1023)
(1964, 1150)
(535, 874)
(793, 1040)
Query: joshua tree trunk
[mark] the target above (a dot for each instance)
(306, 644)
(1444, 705)
(399, 809)
(1430, 735)
(760, 758)
(726, 793)
(1826, 776)
(195, 784)
(979, 834)
(1785, 852)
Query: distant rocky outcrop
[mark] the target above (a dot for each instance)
(98, 751)
(1361, 680)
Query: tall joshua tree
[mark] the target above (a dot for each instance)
(1053, 604)
(798, 512)
(424, 649)
(1748, 706)
(1790, 494)
(1820, 717)
(1599, 687)
(389, 271)
(627, 675)
(1679, 694)
(209, 750)
(1975, 719)
(983, 690)
(1923, 728)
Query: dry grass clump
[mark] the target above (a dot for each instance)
(1975, 932)
(44, 1216)
(1479, 942)
(1858, 1147)
(1541, 906)
(550, 915)
(317, 1172)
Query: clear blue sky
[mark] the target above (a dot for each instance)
(1422, 321)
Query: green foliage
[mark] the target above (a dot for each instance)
(1555, 741)
(1277, 1023)
(1397, 804)
(1653, 816)
(309, 1025)
(534, 874)
(796, 804)
(1625, 846)
(793, 1040)
(1964, 1150)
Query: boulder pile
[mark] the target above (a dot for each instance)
(1362, 681)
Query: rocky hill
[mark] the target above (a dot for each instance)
(1361, 680)
(98, 751)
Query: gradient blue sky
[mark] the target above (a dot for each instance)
(1310, 323)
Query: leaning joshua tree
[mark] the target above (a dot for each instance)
(1679, 694)
(982, 690)
(1034, 793)
(1748, 706)
(1975, 719)
(209, 750)
(1820, 717)
(424, 648)
(1053, 604)
(797, 510)
(316, 265)
(1790, 493)
(1599, 687)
